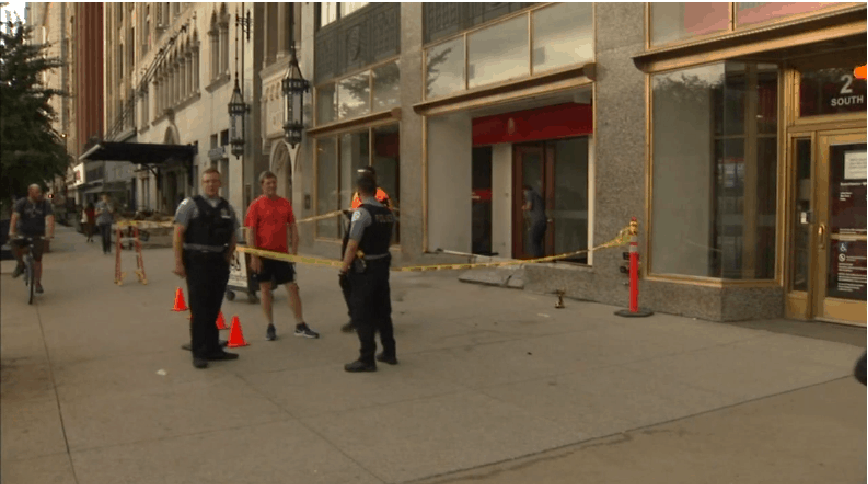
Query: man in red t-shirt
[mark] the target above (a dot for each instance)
(267, 223)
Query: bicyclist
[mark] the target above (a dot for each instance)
(36, 217)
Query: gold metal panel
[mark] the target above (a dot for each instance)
(797, 306)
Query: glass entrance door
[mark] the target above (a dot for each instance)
(533, 165)
(839, 288)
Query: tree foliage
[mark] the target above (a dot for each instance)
(31, 150)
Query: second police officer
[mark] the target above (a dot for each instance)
(365, 269)
(381, 197)
(204, 242)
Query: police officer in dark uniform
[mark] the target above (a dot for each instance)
(205, 228)
(356, 202)
(366, 271)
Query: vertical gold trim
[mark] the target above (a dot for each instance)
(645, 268)
(316, 186)
(749, 183)
(821, 207)
(466, 63)
(424, 184)
(733, 16)
(592, 174)
(530, 43)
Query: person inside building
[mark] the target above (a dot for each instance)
(32, 216)
(105, 217)
(535, 206)
(366, 270)
(204, 242)
(381, 197)
(268, 222)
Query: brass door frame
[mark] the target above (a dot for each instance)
(798, 304)
(812, 304)
(827, 308)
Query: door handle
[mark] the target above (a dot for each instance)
(821, 233)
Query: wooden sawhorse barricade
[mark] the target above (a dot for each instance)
(132, 229)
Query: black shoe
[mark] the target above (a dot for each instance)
(348, 328)
(189, 346)
(200, 362)
(222, 356)
(391, 360)
(360, 367)
(19, 269)
(39, 289)
(271, 333)
(304, 330)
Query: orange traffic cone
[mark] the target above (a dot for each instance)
(221, 323)
(180, 305)
(236, 338)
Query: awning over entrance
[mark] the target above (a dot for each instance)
(141, 153)
(148, 154)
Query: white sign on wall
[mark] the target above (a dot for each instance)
(854, 165)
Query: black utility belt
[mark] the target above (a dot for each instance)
(205, 254)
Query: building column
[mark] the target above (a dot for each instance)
(283, 29)
(412, 224)
(196, 68)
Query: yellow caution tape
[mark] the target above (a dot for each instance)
(621, 239)
(144, 224)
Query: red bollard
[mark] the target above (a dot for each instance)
(634, 311)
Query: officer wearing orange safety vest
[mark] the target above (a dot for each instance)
(381, 197)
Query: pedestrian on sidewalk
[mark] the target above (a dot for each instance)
(105, 218)
(371, 299)
(204, 243)
(381, 197)
(89, 221)
(268, 222)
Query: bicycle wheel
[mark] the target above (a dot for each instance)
(29, 271)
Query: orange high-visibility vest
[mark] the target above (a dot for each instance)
(381, 197)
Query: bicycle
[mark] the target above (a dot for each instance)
(27, 257)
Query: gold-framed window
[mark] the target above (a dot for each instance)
(339, 156)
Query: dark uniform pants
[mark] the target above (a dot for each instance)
(347, 289)
(371, 307)
(537, 238)
(207, 277)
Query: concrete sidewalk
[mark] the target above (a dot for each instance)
(486, 375)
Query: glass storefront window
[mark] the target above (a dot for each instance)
(354, 155)
(570, 212)
(498, 53)
(714, 171)
(338, 160)
(386, 81)
(751, 13)
(445, 68)
(326, 186)
(387, 163)
(674, 21)
(563, 34)
(830, 91)
(354, 95)
(326, 104)
(328, 13)
(350, 7)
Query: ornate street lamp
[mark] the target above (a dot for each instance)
(293, 87)
(237, 109)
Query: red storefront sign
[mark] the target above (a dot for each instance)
(550, 122)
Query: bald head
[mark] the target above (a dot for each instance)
(34, 191)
